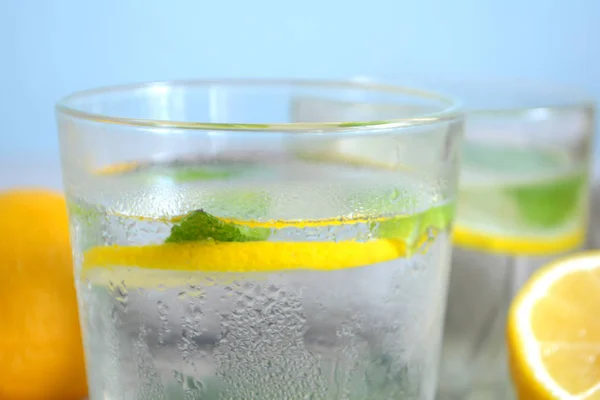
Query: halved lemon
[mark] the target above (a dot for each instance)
(554, 331)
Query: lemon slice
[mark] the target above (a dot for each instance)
(246, 256)
(554, 331)
(173, 264)
(471, 238)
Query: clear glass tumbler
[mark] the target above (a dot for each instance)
(228, 246)
(523, 200)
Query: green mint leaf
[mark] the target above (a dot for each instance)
(550, 204)
(199, 226)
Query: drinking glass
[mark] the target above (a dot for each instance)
(227, 245)
(523, 201)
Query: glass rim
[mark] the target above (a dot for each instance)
(557, 96)
(534, 111)
(451, 107)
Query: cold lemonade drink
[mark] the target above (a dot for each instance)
(518, 208)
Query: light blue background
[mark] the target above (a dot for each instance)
(51, 47)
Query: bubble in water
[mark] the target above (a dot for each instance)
(121, 295)
(163, 316)
(148, 380)
(261, 352)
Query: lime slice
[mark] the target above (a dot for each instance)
(415, 230)
(549, 204)
(408, 228)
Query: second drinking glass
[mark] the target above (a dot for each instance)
(523, 200)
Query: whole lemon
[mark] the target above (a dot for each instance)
(41, 355)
